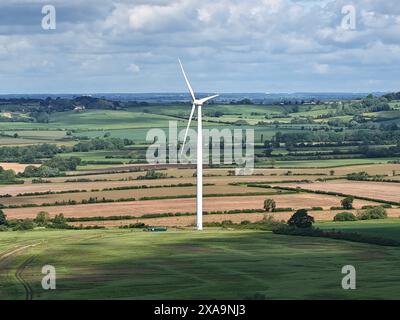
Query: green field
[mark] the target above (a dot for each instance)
(324, 163)
(387, 228)
(213, 264)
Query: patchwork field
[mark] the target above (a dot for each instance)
(137, 194)
(372, 169)
(306, 144)
(100, 200)
(137, 208)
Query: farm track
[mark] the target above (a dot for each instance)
(18, 274)
(5, 256)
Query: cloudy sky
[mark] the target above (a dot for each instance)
(225, 45)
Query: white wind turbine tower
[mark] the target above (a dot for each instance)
(197, 103)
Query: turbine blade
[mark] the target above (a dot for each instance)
(187, 81)
(187, 128)
(201, 101)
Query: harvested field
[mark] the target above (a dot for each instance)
(374, 190)
(133, 193)
(44, 187)
(99, 185)
(184, 221)
(221, 176)
(17, 167)
(296, 201)
(273, 173)
(372, 169)
(110, 176)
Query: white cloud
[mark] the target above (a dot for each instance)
(320, 68)
(240, 45)
(134, 68)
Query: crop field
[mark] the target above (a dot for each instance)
(373, 190)
(389, 228)
(121, 264)
(137, 208)
(9, 141)
(106, 119)
(324, 219)
(327, 163)
(17, 167)
(132, 193)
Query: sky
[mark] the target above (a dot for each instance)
(129, 46)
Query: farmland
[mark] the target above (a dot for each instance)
(91, 168)
(380, 190)
(137, 265)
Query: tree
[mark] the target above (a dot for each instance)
(26, 224)
(372, 213)
(7, 175)
(3, 218)
(332, 172)
(269, 205)
(347, 203)
(301, 219)
(42, 218)
(59, 219)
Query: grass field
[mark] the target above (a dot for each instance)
(214, 264)
(387, 228)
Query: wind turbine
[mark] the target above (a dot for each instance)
(197, 103)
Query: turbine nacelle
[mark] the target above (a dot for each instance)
(200, 102)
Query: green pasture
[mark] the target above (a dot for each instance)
(103, 156)
(107, 119)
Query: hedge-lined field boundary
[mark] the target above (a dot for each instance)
(338, 194)
(161, 215)
(94, 200)
(179, 185)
